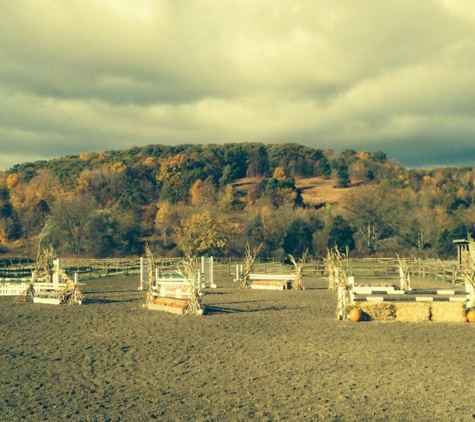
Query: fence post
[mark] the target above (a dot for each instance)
(142, 273)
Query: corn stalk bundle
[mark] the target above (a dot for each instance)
(187, 268)
(250, 258)
(45, 264)
(70, 293)
(404, 274)
(297, 283)
(44, 269)
(338, 280)
(151, 272)
(334, 268)
(29, 291)
(468, 264)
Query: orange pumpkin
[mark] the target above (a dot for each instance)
(463, 318)
(356, 314)
(471, 316)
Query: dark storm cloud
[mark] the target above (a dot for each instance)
(108, 74)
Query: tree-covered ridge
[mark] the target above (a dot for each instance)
(110, 203)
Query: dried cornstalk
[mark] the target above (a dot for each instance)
(334, 268)
(29, 291)
(250, 258)
(297, 283)
(151, 272)
(187, 268)
(45, 264)
(70, 293)
(404, 274)
(338, 280)
(468, 263)
(44, 271)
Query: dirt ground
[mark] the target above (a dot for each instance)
(256, 355)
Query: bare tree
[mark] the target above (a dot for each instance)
(73, 216)
(372, 211)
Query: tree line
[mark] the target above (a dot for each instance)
(214, 199)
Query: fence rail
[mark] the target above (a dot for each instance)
(434, 269)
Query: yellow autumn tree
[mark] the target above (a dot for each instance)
(12, 180)
(118, 167)
(43, 186)
(171, 166)
(364, 155)
(85, 156)
(164, 220)
(197, 192)
(227, 199)
(202, 234)
(150, 162)
(279, 173)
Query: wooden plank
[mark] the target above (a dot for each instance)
(47, 300)
(49, 286)
(170, 309)
(267, 287)
(276, 277)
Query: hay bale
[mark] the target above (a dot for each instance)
(447, 311)
(413, 311)
(379, 311)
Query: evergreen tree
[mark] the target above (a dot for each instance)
(343, 176)
(340, 234)
(324, 168)
(299, 238)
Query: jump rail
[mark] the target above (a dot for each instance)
(271, 281)
(266, 281)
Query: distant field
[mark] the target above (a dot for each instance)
(315, 190)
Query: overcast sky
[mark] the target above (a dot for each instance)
(96, 75)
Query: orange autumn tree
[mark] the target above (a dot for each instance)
(202, 234)
(203, 192)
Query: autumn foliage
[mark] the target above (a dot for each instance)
(213, 199)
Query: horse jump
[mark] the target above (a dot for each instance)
(355, 294)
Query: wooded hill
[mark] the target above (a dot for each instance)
(214, 199)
